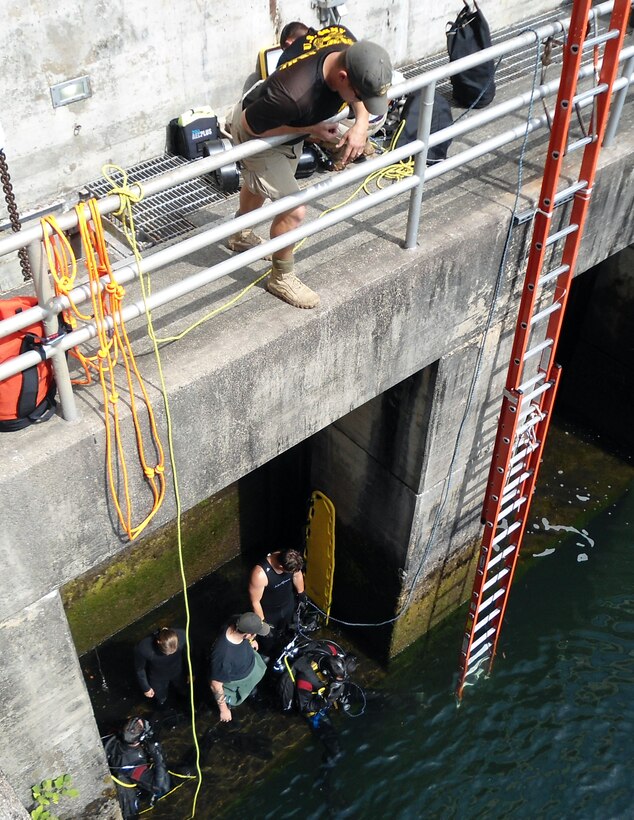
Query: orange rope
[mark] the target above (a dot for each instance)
(114, 350)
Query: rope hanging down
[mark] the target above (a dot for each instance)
(114, 350)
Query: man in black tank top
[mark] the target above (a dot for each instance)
(296, 100)
(272, 587)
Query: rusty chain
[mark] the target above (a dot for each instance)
(14, 216)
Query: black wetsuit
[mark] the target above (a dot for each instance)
(143, 766)
(157, 671)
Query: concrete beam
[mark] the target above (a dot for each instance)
(263, 377)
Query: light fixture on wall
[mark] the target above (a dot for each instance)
(71, 91)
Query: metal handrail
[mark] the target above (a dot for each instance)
(212, 163)
(418, 149)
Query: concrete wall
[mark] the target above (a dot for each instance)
(263, 378)
(48, 728)
(149, 60)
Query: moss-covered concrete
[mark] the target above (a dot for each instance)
(103, 601)
(438, 595)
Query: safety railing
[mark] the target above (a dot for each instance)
(49, 306)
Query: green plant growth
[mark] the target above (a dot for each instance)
(49, 792)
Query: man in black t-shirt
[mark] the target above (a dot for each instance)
(236, 667)
(296, 38)
(296, 100)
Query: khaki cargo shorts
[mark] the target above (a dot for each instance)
(270, 174)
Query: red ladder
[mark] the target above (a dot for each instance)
(533, 375)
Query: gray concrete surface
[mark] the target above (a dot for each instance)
(261, 377)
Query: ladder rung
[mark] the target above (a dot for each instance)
(477, 656)
(567, 193)
(515, 469)
(504, 533)
(514, 484)
(530, 396)
(573, 146)
(496, 578)
(486, 620)
(555, 237)
(483, 638)
(538, 349)
(514, 506)
(502, 555)
(488, 601)
(553, 274)
(591, 42)
(544, 313)
(521, 453)
(538, 378)
(591, 92)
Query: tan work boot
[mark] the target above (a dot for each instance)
(285, 285)
(244, 241)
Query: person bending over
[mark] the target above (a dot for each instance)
(296, 100)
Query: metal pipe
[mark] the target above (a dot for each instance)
(204, 277)
(420, 165)
(618, 101)
(45, 293)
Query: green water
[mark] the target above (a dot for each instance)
(549, 734)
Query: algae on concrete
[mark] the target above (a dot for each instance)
(142, 577)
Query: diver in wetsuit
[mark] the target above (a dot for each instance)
(137, 765)
(273, 584)
(158, 663)
(320, 678)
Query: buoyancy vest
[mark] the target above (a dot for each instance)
(28, 397)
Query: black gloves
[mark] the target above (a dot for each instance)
(335, 691)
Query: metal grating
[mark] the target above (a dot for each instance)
(162, 216)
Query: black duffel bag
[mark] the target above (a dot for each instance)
(440, 118)
(474, 88)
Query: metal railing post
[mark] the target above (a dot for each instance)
(45, 294)
(618, 101)
(420, 164)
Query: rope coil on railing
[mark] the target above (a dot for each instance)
(114, 350)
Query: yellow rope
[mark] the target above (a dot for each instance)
(127, 219)
(114, 348)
